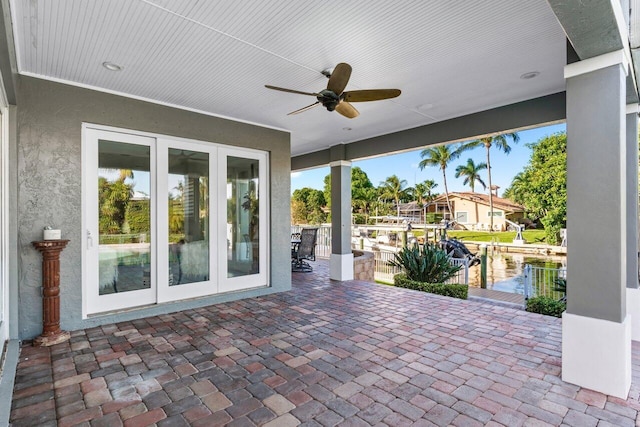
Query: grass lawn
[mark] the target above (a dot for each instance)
(531, 236)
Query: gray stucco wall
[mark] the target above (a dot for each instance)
(49, 188)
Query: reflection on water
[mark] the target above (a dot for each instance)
(505, 272)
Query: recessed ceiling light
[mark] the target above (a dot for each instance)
(530, 75)
(111, 66)
(347, 129)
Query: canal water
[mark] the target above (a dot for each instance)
(505, 271)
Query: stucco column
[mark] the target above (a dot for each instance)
(596, 331)
(633, 293)
(341, 262)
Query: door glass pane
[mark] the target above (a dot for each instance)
(124, 222)
(188, 216)
(242, 217)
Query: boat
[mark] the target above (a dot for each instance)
(457, 249)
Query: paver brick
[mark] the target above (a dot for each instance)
(278, 404)
(441, 415)
(374, 413)
(80, 417)
(131, 411)
(540, 414)
(146, 418)
(315, 357)
(466, 393)
(510, 417)
(578, 419)
(286, 420)
(472, 411)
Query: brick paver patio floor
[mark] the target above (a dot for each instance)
(326, 353)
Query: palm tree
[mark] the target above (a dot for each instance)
(441, 156)
(392, 187)
(471, 173)
(515, 191)
(123, 174)
(422, 193)
(501, 142)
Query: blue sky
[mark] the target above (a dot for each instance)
(504, 167)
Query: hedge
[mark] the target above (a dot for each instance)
(546, 305)
(453, 290)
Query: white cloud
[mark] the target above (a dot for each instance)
(295, 174)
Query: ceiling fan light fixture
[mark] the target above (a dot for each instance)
(530, 75)
(327, 72)
(335, 98)
(112, 66)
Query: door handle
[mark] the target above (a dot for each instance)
(89, 240)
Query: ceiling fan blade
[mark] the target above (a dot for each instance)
(339, 78)
(290, 90)
(347, 110)
(370, 95)
(303, 109)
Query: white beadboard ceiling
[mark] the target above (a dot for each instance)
(449, 58)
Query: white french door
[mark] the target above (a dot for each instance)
(242, 180)
(186, 217)
(169, 219)
(120, 259)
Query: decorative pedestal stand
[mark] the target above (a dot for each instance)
(51, 332)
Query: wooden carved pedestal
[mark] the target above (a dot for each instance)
(51, 332)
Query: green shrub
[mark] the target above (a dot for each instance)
(425, 263)
(359, 218)
(138, 216)
(451, 290)
(434, 218)
(546, 305)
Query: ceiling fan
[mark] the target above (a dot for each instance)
(335, 98)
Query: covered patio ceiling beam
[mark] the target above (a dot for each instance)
(534, 112)
(596, 27)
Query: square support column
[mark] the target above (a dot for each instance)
(596, 332)
(341, 262)
(633, 293)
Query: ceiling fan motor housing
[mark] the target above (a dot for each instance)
(328, 99)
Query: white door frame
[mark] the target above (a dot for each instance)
(188, 290)
(4, 219)
(93, 302)
(229, 284)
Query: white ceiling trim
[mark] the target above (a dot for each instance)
(596, 63)
(152, 101)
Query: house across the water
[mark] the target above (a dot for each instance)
(470, 211)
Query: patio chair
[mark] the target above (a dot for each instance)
(306, 251)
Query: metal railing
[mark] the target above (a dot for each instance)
(385, 272)
(540, 281)
(462, 277)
